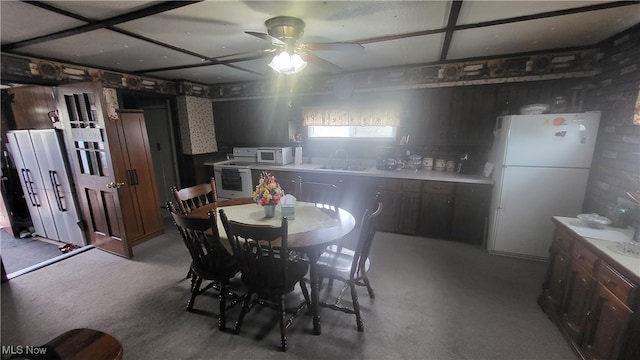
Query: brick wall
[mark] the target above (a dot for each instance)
(615, 93)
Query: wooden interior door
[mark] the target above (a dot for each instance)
(88, 138)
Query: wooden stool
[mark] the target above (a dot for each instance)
(81, 344)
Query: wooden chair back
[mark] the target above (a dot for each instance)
(326, 195)
(263, 265)
(290, 186)
(209, 256)
(365, 239)
(193, 197)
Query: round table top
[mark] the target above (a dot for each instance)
(312, 226)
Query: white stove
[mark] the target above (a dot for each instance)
(233, 177)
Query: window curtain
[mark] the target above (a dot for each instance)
(370, 116)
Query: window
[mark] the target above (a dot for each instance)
(361, 132)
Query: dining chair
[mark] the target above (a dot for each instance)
(351, 266)
(210, 260)
(267, 271)
(322, 194)
(193, 197)
(290, 186)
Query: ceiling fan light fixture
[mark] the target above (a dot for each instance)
(287, 64)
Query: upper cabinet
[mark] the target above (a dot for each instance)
(260, 122)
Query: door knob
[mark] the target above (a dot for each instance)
(115, 185)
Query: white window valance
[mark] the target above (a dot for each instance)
(365, 116)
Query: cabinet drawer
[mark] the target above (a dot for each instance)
(438, 187)
(562, 239)
(388, 184)
(409, 185)
(617, 284)
(473, 190)
(582, 256)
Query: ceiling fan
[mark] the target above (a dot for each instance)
(283, 33)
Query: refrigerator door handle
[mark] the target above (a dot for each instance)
(53, 176)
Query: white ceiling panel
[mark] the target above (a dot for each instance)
(535, 35)
(414, 50)
(208, 74)
(105, 48)
(101, 10)
(20, 21)
(479, 11)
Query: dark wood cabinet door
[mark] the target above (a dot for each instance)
(408, 214)
(556, 281)
(140, 177)
(470, 213)
(575, 307)
(609, 319)
(436, 210)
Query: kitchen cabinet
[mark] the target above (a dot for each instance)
(470, 213)
(401, 205)
(591, 298)
(409, 206)
(134, 167)
(436, 209)
(261, 122)
(557, 273)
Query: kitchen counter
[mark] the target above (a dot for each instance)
(427, 175)
(606, 240)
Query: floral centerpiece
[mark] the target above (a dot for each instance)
(268, 191)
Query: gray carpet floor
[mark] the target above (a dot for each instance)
(434, 300)
(21, 253)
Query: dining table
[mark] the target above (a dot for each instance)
(311, 230)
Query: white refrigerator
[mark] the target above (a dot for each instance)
(541, 169)
(40, 160)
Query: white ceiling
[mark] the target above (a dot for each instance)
(392, 33)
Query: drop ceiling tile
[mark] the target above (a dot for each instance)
(208, 74)
(108, 49)
(100, 10)
(574, 30)
(481, 11)
(414, 50)
(21, 21)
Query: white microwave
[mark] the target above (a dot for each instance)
(275, 156)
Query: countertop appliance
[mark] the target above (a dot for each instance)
(541, 170)
(43, 168)
(233, 177)
(275, 155)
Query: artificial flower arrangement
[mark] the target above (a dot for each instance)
(268, 191)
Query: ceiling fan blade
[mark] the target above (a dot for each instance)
(327, 65)
(333, 46)
(266, 37)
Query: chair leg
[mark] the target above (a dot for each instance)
(369, 288)
(222, 324)
(356, 306)
(245, 308)
(283, 335)
(305, 293)
(195, 289)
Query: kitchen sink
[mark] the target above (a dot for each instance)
(343, 168)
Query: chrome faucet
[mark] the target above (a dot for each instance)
(345, 155)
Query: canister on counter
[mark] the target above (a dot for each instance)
(450, 166)
(441, 165)
(427, 163)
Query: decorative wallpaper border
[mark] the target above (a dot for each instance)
(569, 64)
